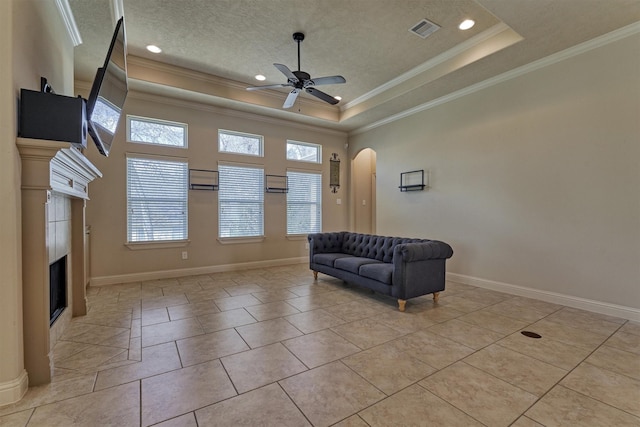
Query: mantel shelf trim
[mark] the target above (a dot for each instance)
(69, 171)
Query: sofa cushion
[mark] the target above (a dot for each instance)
(382, 272)
(352, 263)
(328, 259)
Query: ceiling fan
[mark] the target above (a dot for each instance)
(300, 80)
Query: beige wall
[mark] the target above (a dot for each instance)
(11, 350)
(106, 211)
(535, 182)
(364, 169)
(33, 36)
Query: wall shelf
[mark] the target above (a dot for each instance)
(203, 179)
(276, 184)
(412, 181)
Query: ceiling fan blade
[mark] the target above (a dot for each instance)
(291, 98)
(319, 94)
(327, 80)
(269, 86)
(287, 72)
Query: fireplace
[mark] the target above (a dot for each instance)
(54, 180)
(57, 289)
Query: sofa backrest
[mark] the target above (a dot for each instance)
(370, 246)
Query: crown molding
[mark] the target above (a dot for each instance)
(211, 79)
(457, 50)
(69, 22)
(195, 105)
(576, 50)
(117, 11)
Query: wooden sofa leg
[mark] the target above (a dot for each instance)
(401, 304)
(315, 275)
(436, 295)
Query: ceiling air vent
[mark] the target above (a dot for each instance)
(424, 28)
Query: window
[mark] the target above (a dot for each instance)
(157, 132)
(156, 199)
(304, 203)
(240, 143)
(241, 201)
(304, 152)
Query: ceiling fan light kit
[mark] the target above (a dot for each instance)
(301, 80)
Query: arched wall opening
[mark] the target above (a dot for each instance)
(363, 191)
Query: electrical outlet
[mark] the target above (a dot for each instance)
(185, 255)
(338, 201)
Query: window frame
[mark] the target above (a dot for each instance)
(146, 244)
(185, 126)
(242, 134)
(306, 144)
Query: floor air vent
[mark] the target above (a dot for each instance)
(424, 28)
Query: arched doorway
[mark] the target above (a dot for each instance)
(363, 181)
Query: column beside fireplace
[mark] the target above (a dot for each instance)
(55, 178)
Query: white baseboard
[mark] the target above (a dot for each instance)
(14, 390)
(615, 310)
(164, 274)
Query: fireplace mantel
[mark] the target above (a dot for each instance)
(69, 171)
(59, 167)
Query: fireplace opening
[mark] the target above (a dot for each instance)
(57, 288)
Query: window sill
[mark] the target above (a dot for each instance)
(237, 240)
(296, 237)
(139, 246)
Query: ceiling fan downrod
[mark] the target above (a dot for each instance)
(298, 37)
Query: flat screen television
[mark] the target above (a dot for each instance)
(108, 93)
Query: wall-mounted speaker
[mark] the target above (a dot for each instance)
(53, 117)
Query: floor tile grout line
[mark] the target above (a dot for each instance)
(449, 403)
(558, 383)
(457, 317)
(140, 403)
(293, 401)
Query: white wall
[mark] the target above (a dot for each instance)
(535, 182)
(112, 261)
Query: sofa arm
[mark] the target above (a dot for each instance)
(411, 252)
(419, 268)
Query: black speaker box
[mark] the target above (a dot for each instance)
(54, 117)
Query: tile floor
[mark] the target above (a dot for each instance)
(270, 347)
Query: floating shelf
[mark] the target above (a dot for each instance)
(203, 179)
(276, 184)
(412, 181)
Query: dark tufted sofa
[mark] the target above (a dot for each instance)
(399, 267)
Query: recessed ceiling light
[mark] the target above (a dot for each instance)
(153, 48)
(260, 77)
(339, 98)
(466, 24)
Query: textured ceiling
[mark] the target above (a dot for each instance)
(213, 48)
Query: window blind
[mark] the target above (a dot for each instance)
(304, 203)
(241, 201)
(156, 200)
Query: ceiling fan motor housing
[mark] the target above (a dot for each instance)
(302, 77)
